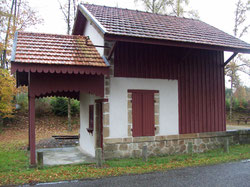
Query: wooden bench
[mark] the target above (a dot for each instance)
(244, 119)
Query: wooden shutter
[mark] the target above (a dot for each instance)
(143, 112)
(137, 114)
(91, 117)
(148, 114)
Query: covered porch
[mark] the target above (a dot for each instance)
(57, 65)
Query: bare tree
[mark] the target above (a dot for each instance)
(240, 63)
(16, 16)
(170, 7)
(69, 12)
(156, 6)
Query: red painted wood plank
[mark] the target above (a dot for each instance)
(187, 98)
(32, 130)
(216, 111)
(200, 93)
(196, 95)
(204, 93)
(137, 115)
(148, 114)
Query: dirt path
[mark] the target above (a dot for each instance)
(46, 127)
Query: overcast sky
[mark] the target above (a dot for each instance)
(218, 13)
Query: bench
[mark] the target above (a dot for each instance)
(244, 119)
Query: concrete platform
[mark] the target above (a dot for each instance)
(64, 156)
(237, 127)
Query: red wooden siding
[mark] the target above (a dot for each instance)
(200, 76)
(143, 112)
(201, 93)
(145, 61)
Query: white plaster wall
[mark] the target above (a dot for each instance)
(87, 141)
(168, 94)
(95, 37)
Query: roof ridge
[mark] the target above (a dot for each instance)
(136, 10)
(50, 34)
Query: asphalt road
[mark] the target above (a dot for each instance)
(229, 174)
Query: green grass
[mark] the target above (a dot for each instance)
(13, 161)
(14, 165)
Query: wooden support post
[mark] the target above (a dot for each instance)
(40, 159)
(32, 135)
(226, 145)
(98, 156)
(145, 153)
(190, 148)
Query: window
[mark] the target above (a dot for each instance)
(91, 119)
(143, 112)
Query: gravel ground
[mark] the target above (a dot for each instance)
(55, 143)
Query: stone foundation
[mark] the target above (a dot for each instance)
(172, 144)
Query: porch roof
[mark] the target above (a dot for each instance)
(38, 48)
(57, 65)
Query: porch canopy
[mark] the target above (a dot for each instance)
(56, 65)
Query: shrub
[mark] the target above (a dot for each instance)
(243, 105)
(227, 104)
(75, 107)
(22, 102)
(7, 93)
(60, 106)
(236, 104)
(43, 106)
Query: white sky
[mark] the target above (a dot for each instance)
(218, 13)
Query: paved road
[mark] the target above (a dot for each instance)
(230, 174)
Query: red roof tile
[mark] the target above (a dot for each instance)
(134, 23)
(56, 49)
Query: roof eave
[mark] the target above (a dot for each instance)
(114, 37)
(58, 68)
(92, 18)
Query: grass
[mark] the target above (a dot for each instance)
(14, 165)
(235, 116)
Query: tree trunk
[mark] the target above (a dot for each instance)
(69, 103)
(153, 6)
(178, 8)
(231, 98)
(69, 115)
(68, 20)
(7, 36)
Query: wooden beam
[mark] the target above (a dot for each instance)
(32, 135)
(174, 43)
(229, 59)
(101, 100)
(111, 51)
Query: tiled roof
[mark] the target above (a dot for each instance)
(56, 49)
(134, 23)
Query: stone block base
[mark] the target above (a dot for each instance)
(172, 144)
